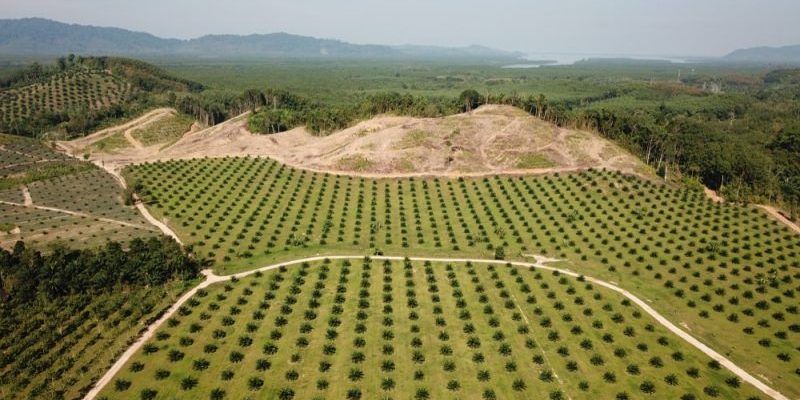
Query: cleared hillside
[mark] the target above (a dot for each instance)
(490, 140)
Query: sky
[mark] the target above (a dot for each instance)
(622, 27)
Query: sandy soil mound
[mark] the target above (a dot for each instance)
(490, 140)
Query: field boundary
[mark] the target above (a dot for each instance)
(540, 263)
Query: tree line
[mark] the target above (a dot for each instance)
(319, 118)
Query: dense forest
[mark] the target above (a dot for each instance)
(65, 315)
(28, 276)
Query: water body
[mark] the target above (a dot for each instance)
(537, 60)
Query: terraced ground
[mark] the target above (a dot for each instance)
(727, 273)
(72, 90)
(67, 200)
(383, 329)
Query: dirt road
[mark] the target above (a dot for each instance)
(772, 211)
(26, 194)
(540, 263)
(75, 213)
(780, 217)
(75, 146)
(151, 219)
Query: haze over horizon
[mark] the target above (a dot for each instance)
(628, 27)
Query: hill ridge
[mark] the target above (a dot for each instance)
(39, 36)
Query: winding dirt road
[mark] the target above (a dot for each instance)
(132, 140)
(540, 263)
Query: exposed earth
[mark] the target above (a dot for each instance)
(489, 140)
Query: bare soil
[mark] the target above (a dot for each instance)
(490, 140)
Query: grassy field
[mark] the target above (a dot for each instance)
(62, 350)
(57, 181)
(732, 269)
(110, 143)
(375, 329)
(164, 131)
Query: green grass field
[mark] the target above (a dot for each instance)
(726, 273)
(111, 143)
(164, 131)
(375, 329)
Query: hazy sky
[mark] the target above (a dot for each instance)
(634, 27)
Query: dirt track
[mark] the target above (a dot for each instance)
(775, 213)
(772, 211)
(540, 263)
(77, 146)
(158, 224)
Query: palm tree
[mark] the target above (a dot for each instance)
(216, 394)
(647, 387)
(286, 394)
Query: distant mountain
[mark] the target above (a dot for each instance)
(37, 36)
(279, 45)
(785, 54)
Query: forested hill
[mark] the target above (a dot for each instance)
(785, 54)
(37, 36)
(79, 94)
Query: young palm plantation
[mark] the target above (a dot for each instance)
(733, 269)
(381, 329)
